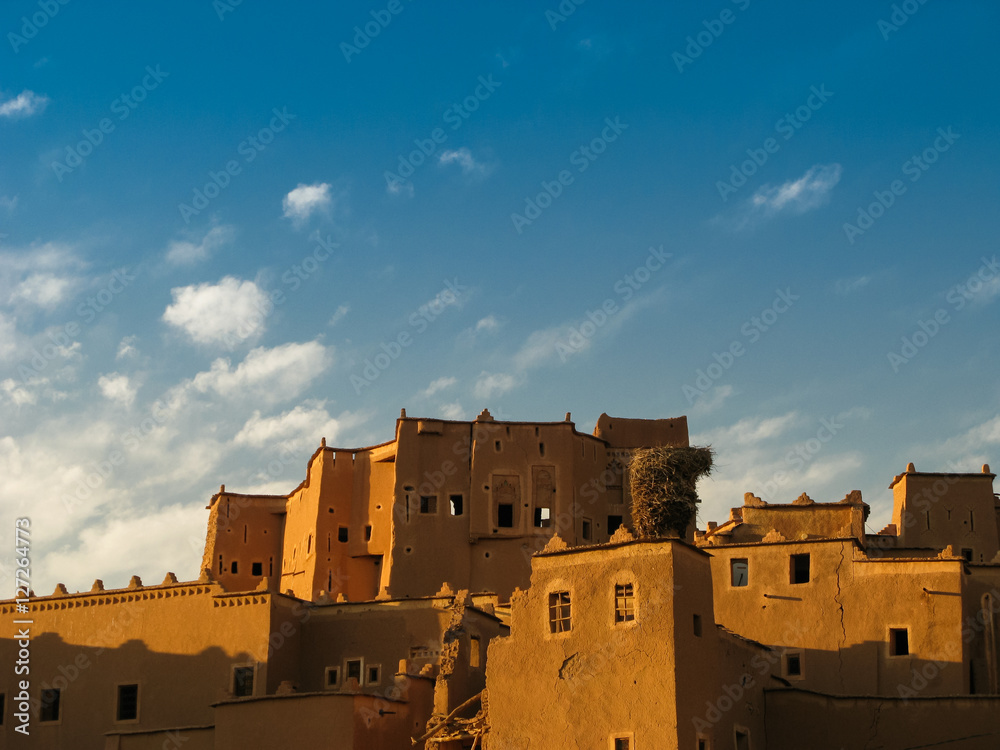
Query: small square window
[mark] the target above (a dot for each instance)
(128, 703)
(374, 674)
(543, 518)
(428, 504)
(613, 523)
(559, 612)
(739, 572)
(697, 625)
(793, 664)
(899, 642)
(505, 515)
(342, 534)
(799, 572)
(354, 670)
(622, 743)
(49, 710)
(257, 569)
(456, 504)
(588, 531)
(967, 554)
(624, 603)
(242, 681)
(332, 676)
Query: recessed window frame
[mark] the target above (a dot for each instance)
(119, 704)
(793, 665)
(238, 680)
(741, 731)
(739, 572)
(428, 505)
(624, 603)
(799, 573)
(333, 672)
(696, 626)
(894, 643)
(622, 741)
(586, 529)
(51, 708)
(560, 612)
(543, 517)
(456, 504)
(373, 674)
(360, 661)
(343, 534)
(257, 569)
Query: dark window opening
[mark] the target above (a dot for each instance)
(623, 743)
(587, 529)
(309, 544)
(368, 533)
(332, 676)
(624, 603)
(742, 740)
(374, 675)
(739, 571)
(541, 449)
(428, 504)
(244, 533)
(342, 534)
(614, 522)
(967, 554)
(1, 708)
(702, 745)
(50, 705)
(128, 703)
(496, 445)
(456, 504)
(800, 569)
(221, 568)
(559, 612)
(235, 568)
(697, 626)
(243, 682)
(257, 569)
(899, 642)
(270, 566)
(543, 518)
(354, 670)
(505, 515)
(793, 665)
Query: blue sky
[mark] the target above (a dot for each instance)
(227, 230)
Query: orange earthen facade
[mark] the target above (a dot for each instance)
(475, 584)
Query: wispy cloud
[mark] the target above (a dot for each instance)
(338, 314)
(184, 253)
(707, 405)
(438, 385)
(25, 104)
(808, 192)
(464, 159)
(490, 384)
(305, 200)
(844, 287)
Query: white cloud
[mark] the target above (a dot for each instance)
(452, 411)
(40, 275)
(810, 191)
(43, 290)
(488, 324)
(707, 404)
(118, 388)
(339, 314)
(752, 430)
(304, 200)
(184, 253)
(490, 384)
(399, 187)
(17, 394)
(438, 385)
(464, 159)
(272, 375)
(844, 287)
(969, 450)
(24, 104)
(299, 428)
(227, 312)
(126, 348)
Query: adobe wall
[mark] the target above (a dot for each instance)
(798, 720)
(619, 432)
(244, 530)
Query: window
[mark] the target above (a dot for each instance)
(793, 664)
(559, 620)
(613, 523)
(50, 705)
(899, 642)
(332, 676)
(354, 670)
(309, 544)
(588, 531)
(703, 744)
(342, 534)
(622, 743)
(505, 515)
(428, 504)
(967, 554)
(368, 533)
(128, 703)
(697, 626)
(624, 603)
(541, 449)
(242, 681)
(496, 445)
(799, 572)
(742, 737)
(972, 521)
(235, 568)
(1, 708)
(475, 655)
(456, 504)
(374, 674)
(543, 518)
(739, 572)
(257, 569)
(221, 568)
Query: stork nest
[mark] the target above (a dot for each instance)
(662, 480)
